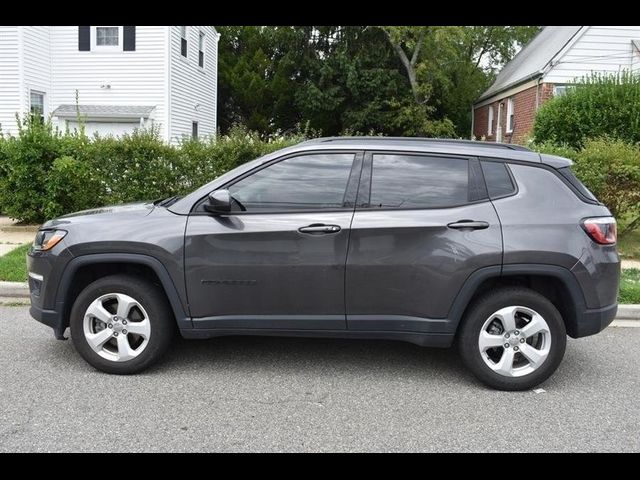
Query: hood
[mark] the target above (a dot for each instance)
(141, 209)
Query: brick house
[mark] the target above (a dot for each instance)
(554, 58)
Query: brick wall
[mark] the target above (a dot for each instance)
(524, 115)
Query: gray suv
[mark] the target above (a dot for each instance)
(493, 247)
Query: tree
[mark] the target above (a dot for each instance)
(448, 67)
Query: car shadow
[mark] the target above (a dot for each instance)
(316, 356)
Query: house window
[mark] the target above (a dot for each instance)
(183, 41)
(106, 38)
(559, 90)
(490, 121)
(36, 106)
(511, 119)
(194, 130)
(201, 50)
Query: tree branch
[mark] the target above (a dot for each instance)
(485, 46)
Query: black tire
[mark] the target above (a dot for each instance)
(485, 306)
(150, 297)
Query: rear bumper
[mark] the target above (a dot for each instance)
(593, 320)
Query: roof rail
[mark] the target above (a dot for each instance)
(473, 143)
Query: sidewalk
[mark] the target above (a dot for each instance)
(12, 236)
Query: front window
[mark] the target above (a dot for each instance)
(305, 182)
(559, 90)
(417, 181)
(201, 50)
(511, 118)
(194, 130)
(106, 38)
(490, 121)
(36, 107)
(183, 41)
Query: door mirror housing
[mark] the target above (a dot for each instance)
(219, 202)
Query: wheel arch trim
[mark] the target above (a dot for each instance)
(183, 320)
(473, 282)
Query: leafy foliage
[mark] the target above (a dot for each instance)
(355, 78)
(46, 173)
(610, 168)
(595, 106)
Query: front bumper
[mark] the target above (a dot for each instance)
(593, 320)
(50, 318)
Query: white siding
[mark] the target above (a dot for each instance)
(599, 49)
(9, 79)
(136, 78)
(192, 86)
(36, 65)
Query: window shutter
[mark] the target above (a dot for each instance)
(84, 39)
(129, 39)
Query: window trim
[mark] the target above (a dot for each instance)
(490, 121)
(106, 48)
(511, 111)
(350, 194)
(201, 52)
(364, 193)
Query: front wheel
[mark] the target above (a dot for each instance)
(512, 339)
(121, 324)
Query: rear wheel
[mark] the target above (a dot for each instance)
(512, 339)
(121, 324)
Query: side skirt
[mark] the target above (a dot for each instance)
(442, 340)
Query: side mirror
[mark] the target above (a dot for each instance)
(219, 202)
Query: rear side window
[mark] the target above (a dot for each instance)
(577, 184)
(499, 183)
(416, 181)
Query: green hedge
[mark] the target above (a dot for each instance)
(610, 168)
(600, 105)
(45, 173)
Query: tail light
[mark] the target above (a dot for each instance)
(602, 230)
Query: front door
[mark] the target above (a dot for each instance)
(499, 123)
(279, 262)
(423, 225)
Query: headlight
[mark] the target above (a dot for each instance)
(47, 239)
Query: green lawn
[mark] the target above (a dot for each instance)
(629, 245)
(13, 265)
(13, 268)
(630, 286)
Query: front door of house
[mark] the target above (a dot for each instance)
(499, 124)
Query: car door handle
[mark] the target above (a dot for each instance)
(319, 229)
(468, 225)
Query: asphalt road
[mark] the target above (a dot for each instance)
(270, 394)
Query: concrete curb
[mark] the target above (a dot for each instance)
(13, 290)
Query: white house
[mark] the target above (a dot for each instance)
(554, 58)
(117, 78)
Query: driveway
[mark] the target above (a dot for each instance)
(270, 394)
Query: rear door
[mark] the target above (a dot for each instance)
(423, 224)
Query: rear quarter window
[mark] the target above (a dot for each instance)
(576, 183)
(498, 179)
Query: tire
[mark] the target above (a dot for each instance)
(488, 315)
(140, 299)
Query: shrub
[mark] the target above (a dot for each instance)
(610, 168)
(596, 106)
(45, 173)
